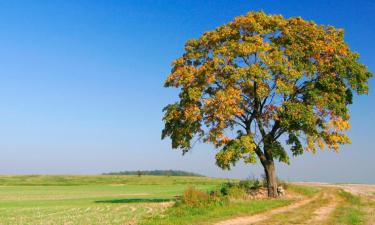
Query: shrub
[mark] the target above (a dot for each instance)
(250, 185)
(240, 189)
(225, 187)
(194, 197)
(217, 198)
(237, 192)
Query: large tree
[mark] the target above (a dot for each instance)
(260, 79)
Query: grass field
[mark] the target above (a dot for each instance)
(147, 200)
(89, 199)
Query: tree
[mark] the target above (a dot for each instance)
(260, 79)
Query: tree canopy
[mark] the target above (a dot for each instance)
(261, 77)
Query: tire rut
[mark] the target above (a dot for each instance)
(322, 213)
(246, 220)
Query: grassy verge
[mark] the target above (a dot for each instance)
(304, 190)
(350, 211)
(181, 215)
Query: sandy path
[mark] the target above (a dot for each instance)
(245, 220)
(323, 212)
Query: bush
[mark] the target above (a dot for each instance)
(194, 197)
(237, 192)
(225, 187)
(250, 185)
(240, 189)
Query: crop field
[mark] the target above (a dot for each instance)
(89, 199)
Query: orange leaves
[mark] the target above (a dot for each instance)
(334, 140)
(321, 144)
(339, 124)
(181, 76)
(192, 112)
(331, 137)
(223, 105)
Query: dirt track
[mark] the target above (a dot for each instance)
(263, 216)
(317, 216)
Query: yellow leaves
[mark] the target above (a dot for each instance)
(331, 140)
(343, 51)
(283, 87)
(248, 143)
(334, 140)
(258, 22)
(310, 144)
(339, 124)
(257, 71)
(224, 104)
(321, 144)
(224, 158)
(241, 147)
(181, 75)
(178, 62)
(263, 90)
(192, 112)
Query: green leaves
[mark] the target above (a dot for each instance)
(296, 146)
(296, 115)
(243, 147)
(180, 128)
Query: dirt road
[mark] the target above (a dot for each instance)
(314, 210)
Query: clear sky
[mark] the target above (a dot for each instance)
(81, 85)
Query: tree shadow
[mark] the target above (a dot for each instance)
(134, 200)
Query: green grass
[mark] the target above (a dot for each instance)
(85, 200)
(48, 180)
(184, 215)
(304, 190)
(76, 200)
(350, 211)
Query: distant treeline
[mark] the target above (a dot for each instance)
(155, 173)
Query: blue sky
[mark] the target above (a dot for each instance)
(81, 85)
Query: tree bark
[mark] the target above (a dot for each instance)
(269, 169)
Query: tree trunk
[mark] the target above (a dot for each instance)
(269, 169)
